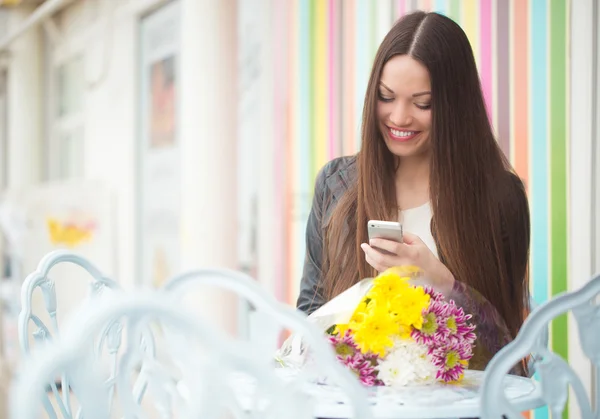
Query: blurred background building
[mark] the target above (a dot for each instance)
(157, 136)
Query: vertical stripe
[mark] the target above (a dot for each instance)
(440, 7)
(485, 54)
(373, 41)
(385, 20)
(330, 85)
(454, 10)
(401, 7)
(349, 94)
(503, 76)
(335, 79)
(318, 86)
(426, 5)
(303, 187)
(470, 24)
(539, 197)
(280, 147)
(558, 166)
(494, 100)
(520, 89)
(414, 4)
(362, 51)
(292, 150)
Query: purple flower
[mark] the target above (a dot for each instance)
(442, 320)
(434, 330)
(435, 296)
(363, 365)
(457, 324)
(344, 346)
(452, 359)
(448, 336)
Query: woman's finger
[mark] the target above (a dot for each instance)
(410, 238)
(375, 256)
(373, 264)
(387, 245)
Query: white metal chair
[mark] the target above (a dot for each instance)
(283, 316)
(207, 374)
(555, 374)
(108, 341)
(252, 322)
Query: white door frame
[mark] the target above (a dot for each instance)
(595, 165)
(583, 169)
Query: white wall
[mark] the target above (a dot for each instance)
(106, 32)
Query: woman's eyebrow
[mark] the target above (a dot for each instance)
(421, 94)
(387, 88)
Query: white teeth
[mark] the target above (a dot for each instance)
(397, 133)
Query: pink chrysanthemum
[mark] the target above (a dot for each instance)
(363, 368)
(451, 359)
(363, 365)
(434, 330)
(442, 320)
(435, 296)
(457, 323)
(344, 345)
(448, 335)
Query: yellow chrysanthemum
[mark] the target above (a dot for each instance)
(408, 306)
(390, 309)
(375, 332)
(360, 312)
(340, 329)
(386, 287)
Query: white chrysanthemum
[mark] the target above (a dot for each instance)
(407, 364)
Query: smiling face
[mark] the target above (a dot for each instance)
(404, 106)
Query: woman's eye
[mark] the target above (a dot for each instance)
(423, 106)
(385, 99)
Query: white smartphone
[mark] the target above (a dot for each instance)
(389, 230)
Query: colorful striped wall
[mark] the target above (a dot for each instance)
(323, 57)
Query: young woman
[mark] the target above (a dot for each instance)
(429, 159)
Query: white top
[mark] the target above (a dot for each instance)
(418, 222)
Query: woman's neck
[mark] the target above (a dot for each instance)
(412, 181)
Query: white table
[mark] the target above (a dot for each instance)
(423, 402)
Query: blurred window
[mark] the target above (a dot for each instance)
(3, 128)
(66, 141)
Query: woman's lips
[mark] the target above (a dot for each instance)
(402, 135)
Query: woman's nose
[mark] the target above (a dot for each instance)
(400, 115)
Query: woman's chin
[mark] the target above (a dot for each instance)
(404, 150)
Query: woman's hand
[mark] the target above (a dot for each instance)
(411, 252)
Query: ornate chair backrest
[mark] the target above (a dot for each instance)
(556, 375)
(46, 325)
(323, 358)
(208, 376)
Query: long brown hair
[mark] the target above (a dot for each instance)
(480, 211)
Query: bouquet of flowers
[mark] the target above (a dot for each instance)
(391, 332)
